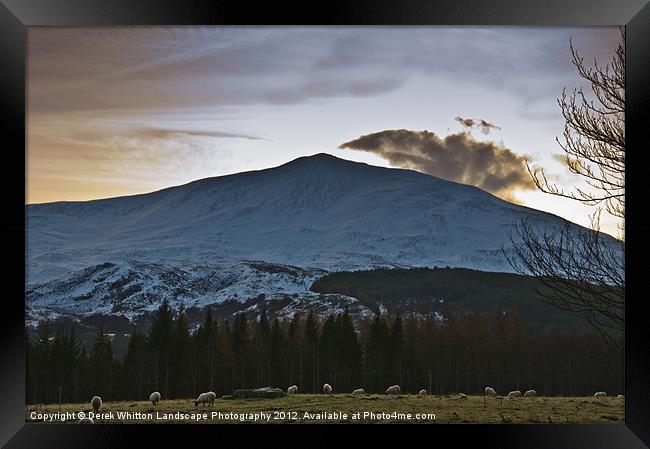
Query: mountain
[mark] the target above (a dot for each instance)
(270, 232)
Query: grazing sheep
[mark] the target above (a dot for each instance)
(394, 389)
(462, 395)
(514, 394)
(86, 420)
(96, 403)
(154, 398)
(327, 389)
(205, 398)
(530, 393)
(620, 396)
(489, 391)
(293, 389)
(359, 391)
(422, 392)
(600, 394)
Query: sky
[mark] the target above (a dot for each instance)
(127, 110)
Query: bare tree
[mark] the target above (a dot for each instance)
(582, 270)
(594, 135)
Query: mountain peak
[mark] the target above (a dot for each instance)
(323, 166)
(321, 158)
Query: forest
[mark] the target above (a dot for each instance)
(443, 353)
(423, 290)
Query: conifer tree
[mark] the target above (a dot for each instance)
(295, 357)
(227, 358)
(41, 362)
(240, 338)
(328, 350)
(262, 346)
(349, 350)
(396, 349)
(135, 376)
(160, 335)
(311, 349)
(180, 357)
(278, 354)
(377, 357)
(206, 353)
(101, 362)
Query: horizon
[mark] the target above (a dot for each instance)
(125, 111)
(254, 171)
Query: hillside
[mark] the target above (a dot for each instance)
(440, 290)
(270, 232)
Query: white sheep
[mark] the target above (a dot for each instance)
(327, 389)
(620, 396)
(600, 394)
(394, 389)
(154, 398)
(462, 395)
(422, 392)
(514, 394)
(293, 389)
(205, 398)
(530, 393)
(489, 391)
(96, 403)
(86, 420)
(359, 391)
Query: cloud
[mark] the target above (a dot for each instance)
(165, 133)
(484, 125)
(457, 157)
(561, 158)
(159, 67)
(466, 122)
(154, 68)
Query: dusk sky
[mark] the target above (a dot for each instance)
(120, 111)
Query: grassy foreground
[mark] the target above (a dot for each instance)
(319, 408)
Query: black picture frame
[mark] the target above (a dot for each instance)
(17, 15)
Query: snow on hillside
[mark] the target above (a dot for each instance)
(132, 287)
(191, 243)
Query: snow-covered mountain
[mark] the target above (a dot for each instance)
(269, 232)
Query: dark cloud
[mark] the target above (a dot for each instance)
(82, 69)
(486, 126)
(483, 125)
(457, 157)
(466, 122)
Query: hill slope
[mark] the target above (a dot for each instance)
(444, 290)
(194, 243)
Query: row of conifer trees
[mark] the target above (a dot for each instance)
(460, 353)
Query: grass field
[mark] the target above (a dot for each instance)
(318, 408)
